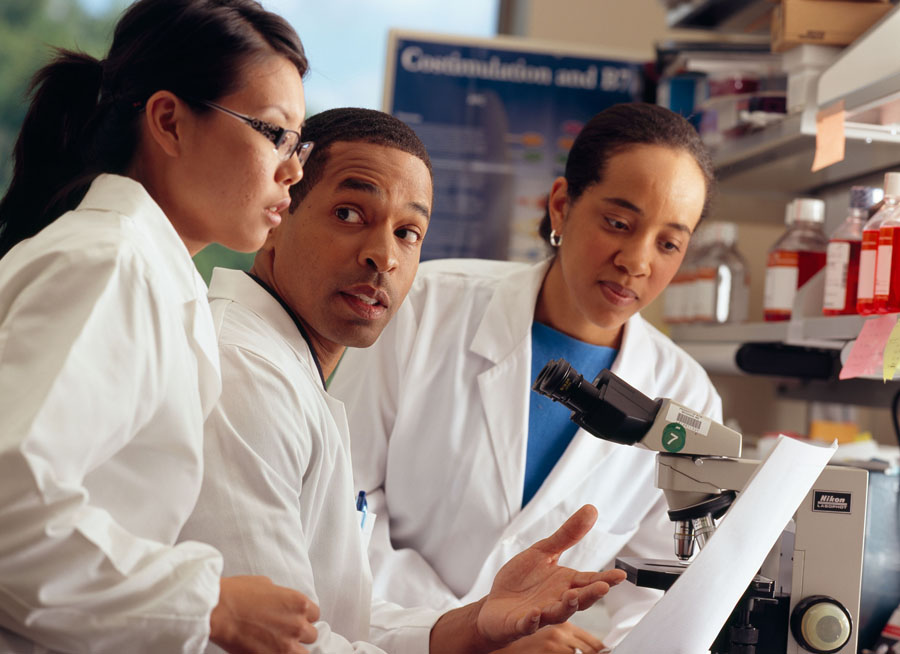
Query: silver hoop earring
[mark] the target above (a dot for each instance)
(555, 238)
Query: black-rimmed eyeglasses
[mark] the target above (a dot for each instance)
(286, 141)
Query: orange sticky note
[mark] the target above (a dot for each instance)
(867, 352)
(829, 136)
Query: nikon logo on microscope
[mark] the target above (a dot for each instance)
(831, 501)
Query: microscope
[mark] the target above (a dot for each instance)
(806, 597)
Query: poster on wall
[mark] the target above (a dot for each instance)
(498, 117)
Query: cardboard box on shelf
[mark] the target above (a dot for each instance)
(822, 22)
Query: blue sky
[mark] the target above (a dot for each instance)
(346, 40)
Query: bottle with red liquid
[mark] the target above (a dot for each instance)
(842, 266)
(795, 258)
(887, 268)
(868, 256)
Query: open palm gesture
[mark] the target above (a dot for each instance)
(533, 590)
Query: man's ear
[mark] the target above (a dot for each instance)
(165, 115)
(558, 203)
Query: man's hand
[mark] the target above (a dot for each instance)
(254, 616)
(564, 638)
(532, 590)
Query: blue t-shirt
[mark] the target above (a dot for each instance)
(549, 427)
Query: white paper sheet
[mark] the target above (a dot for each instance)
(689, 616)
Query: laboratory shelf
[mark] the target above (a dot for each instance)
(737, 16)
(780, 156)
(812, 349)
(864, 76)
(819, 331)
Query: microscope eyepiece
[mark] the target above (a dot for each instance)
(607, 408)
(561, 383)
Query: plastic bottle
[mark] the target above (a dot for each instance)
(887, 267)
(679, 304)
(702, 298)
(675, 294)
(795, 257)
(732, 288)
(868, 257)
(842, 266)
(721, 287)
(672, 298)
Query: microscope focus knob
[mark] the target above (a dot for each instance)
(821, 624)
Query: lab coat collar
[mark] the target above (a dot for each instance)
(127, 197)
(297, 323)
(508, 317)
(162, 244)
(502, 337)
(631, 361)
(237, 286)
(585, 452)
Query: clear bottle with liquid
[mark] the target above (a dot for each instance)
(868, 257)
(843, 255)
(723, 294)
(679, 306)
(702, 299)
(795, 257)
(732, 277)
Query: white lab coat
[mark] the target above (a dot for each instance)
(108, 367)
(438, 412)
(278, 497)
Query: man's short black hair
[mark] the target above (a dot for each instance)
(354, 126)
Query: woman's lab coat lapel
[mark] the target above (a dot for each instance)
(184, 285)
(504, 337)
(585, 452)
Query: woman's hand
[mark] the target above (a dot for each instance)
(254, 616)
(564, 638)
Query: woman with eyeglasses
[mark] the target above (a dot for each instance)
(185, 135)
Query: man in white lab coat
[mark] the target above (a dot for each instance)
(440, 408)
(278, 497)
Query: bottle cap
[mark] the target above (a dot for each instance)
(789, 213)
(699, 238)
(892, 184)
(725, 233)
(811, 210)
(863, 197)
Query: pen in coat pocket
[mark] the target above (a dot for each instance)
(363, 507)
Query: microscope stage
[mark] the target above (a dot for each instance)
(661, 574)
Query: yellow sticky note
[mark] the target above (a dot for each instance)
(830, 140)
(892, 353)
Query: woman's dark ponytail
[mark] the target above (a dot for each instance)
(50, 175)
(83, 118)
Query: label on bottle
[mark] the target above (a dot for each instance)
(704, 290)
(883, 264)
(866, 287)
(782, 274)
(836, 275)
